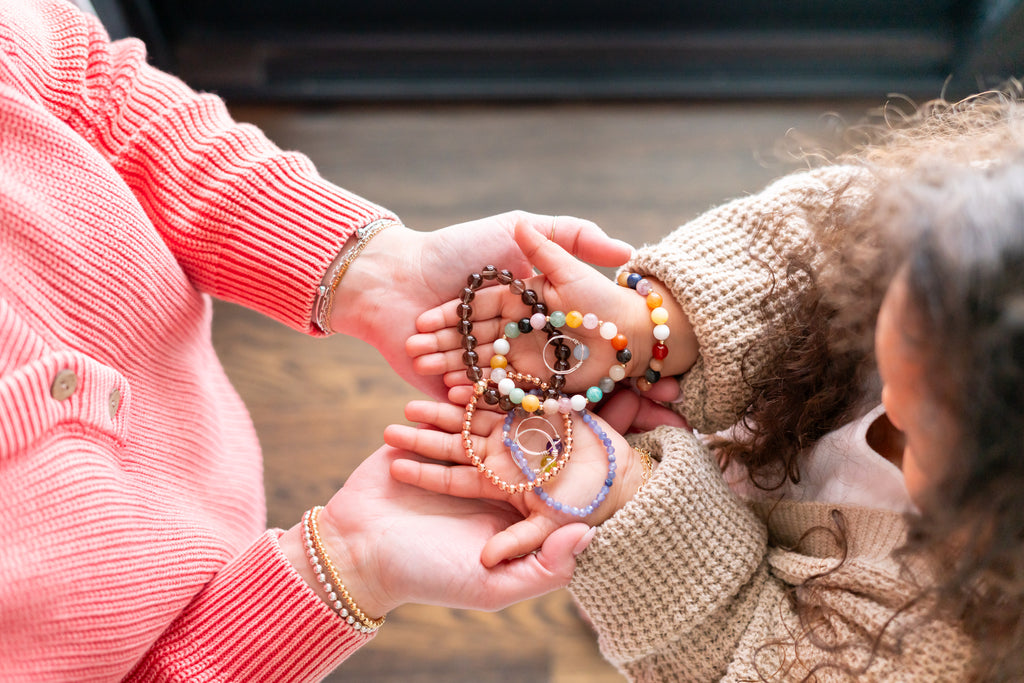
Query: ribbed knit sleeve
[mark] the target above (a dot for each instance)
(727, 269)
(247, 221)
(235, 630)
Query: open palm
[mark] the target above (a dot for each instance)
(577, 485)
(567, 284)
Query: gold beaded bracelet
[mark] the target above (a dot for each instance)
(324, 303)
(337, 595)
(648, 465)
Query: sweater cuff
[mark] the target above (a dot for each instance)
(728, 270)
(257, 620)
(682, 548)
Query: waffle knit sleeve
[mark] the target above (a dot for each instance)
(727, 269)
(246, 221)
(677, 571)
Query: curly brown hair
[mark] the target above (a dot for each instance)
(947, 213)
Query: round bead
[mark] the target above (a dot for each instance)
(622, 278)
(617, 373)
(659, 351)
(491, 396)
(525, 325)
(656, 364)
(633, 279)
(498, 374)
(590, 321)
(661, 332)
(659, 316)
(538, 320)
(594, 394)
(652, 376)
(550, 406)
(505, 386)
(607, 384)
(624, 356)
(499, 362)
(517, 286)
(531, 403)
(579, 402)
(619, 342)
(564, 405)
(529, 297)
(470, 358)
(501, 346)
(475, 280)
(609, 330)
(557, 319)
(654, 300)
(511, 330)
(516, 395)
(581, 352)
(642, 384)
(643, 288)
(574, 319)
(465, 311)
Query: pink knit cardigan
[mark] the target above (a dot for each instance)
(133, 540)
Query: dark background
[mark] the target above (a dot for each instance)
(318, 50)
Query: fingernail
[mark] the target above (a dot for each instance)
(582, 544)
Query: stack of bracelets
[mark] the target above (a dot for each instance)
(502, 388)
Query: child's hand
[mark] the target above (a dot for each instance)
(567, 285)
(576, 485)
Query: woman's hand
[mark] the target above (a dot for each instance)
(440, 440)
(567, 284)
(403, 273)
(393, 544)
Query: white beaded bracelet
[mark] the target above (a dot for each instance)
(337, 595)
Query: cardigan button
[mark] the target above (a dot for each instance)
(114, 403)
(64, 385)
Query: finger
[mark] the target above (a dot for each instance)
(458, 481)
(445, 362)
(651, 415)
(519, 539)
(538, 573)
(460, 395)
(558, 265)
(581, 238)
(620, 410)
(447, 339)
(448, 417)
(665, 390)
(486, 304)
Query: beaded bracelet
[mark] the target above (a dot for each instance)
(544, 474)
(659, 316)
(324, 303)
(529, 297)
(573, 319)
(548, 323)
(337, 595)
(648, 465)
(589, 508)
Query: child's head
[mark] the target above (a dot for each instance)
(950, 350)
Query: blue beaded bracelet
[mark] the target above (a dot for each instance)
(587, 510)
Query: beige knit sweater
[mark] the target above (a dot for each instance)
(689, 583)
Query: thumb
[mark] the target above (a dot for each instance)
(558, 265)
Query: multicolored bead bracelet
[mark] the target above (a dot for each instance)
(659, 316)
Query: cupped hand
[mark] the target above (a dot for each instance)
(403, 273)
(394, 544)
(439, 439)
(566, 284)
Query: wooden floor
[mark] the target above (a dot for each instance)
(320, 405)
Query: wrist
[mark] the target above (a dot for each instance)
(361, 276)
(350, 578)
(654, 307)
